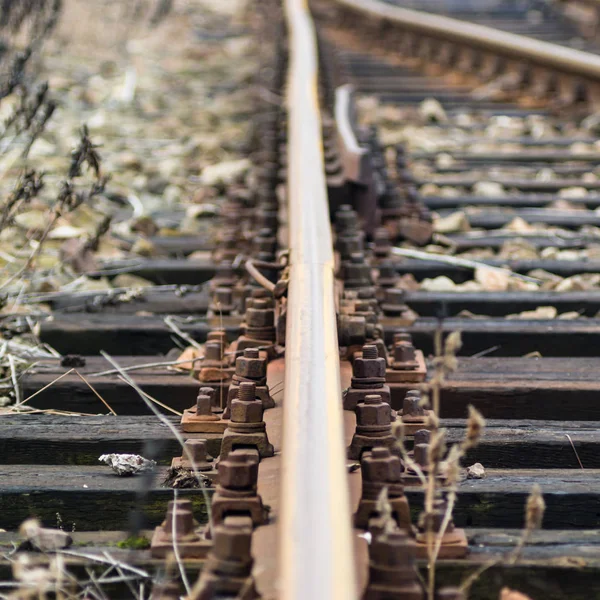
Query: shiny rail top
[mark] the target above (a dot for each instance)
(316, 557)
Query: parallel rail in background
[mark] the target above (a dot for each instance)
(315, 530)
(444, 40)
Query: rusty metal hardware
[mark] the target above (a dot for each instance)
(355, 272)
(387, 277)
(221, 302)
(407, 364)
(373, 426)
(203, 461)
(246, 428)
(413, 415)
(227, 572)
(236, 489)
(393, 304)
(202, 418)
(368, 377)
(353, 330)
(258, 326)
(189, 542)
(251, 366)
(392, 568)
(454, 541)
(381, 468)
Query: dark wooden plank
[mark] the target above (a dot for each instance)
(106, 503)
(56, 439)
(445, 304)
(572, 497)
(187, 301)
(556, 565)
(530, 185)
(466, 241)
(517, 200)
(557, 218)
(420, 269)
(175, 389)
(164, 271)
(520, 388)
(512, 337)
(125, 334)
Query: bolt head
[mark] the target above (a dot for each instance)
(373, 414)
(252, 368)
(246, 412)
(232, 539)
(238, 471)
(377, 466)
(368, 367)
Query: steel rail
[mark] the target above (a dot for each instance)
(315, 536)
(355, 158)
(510, 45)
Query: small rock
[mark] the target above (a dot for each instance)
(519, 225)
(224, 172)
(129, 161)
(444, 160)
(488, 189)
(569, 316)
(44, 539)
(476, 471)
(492, 280)
(438, 284)
(144, 247)
(540, 313)
(126, 280)
(456, 221)
(432, 111)
(508, 594)
(126, 465)
(573, 192)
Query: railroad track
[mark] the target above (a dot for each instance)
(308, 332)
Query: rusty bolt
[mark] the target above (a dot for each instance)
(259, 314)
(405, 357)
(373, 411)
(380, 465)
(421, 454)
(246, 408)
(402, 336)
(369, 365)
(217, 336)
(184, 518)
(251, 365)
(232, 540)
(213, 351)
(204, 404)
(345, 218)
(197, 450)
(422, 436)
(239, 471)
(411, 407)
(223, 296)
(392, 549)
(388, 276)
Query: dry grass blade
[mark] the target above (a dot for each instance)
(574, 450)
(180, 565)
(96, 393)
(45, 387)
